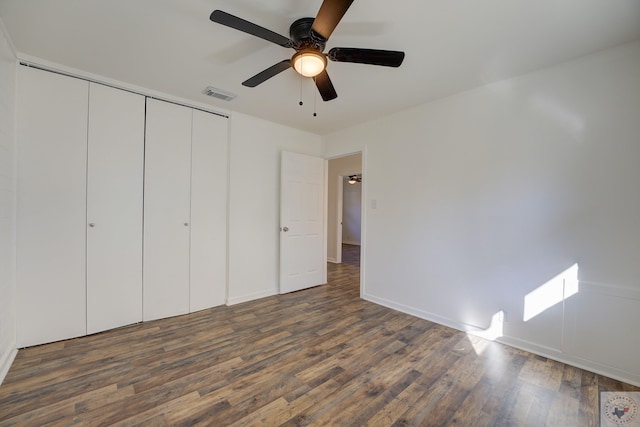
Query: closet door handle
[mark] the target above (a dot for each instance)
(186, 224)
(92, 224)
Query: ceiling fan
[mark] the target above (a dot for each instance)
(355, 178)
(308, 37)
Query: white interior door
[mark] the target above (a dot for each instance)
(302, 195)
(114, 208)
(51, 219)
(166, 210)
(208, 211)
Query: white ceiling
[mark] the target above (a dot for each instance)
(171, 46)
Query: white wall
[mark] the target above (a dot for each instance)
(513, 183)
(7, 203)
(254, 207)
(341, 166)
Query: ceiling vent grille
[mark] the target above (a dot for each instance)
(219, 93)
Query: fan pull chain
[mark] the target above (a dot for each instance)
(315, 97)
(301, 81)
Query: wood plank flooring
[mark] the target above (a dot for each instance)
(321, 356)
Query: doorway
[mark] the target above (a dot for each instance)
(351, 213)
(344, 222)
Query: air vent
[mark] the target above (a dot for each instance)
(219, 93)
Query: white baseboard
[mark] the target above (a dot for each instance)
(420, 313)
(6, 361)
(578, 362)
(531, 347)
(251, 297)
(351, 243)
(333, 260)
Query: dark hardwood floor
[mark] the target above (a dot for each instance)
(351, 255)
(321, 356)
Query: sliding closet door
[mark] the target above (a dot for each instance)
(51, 217)
(114, 208)
(208, 211)
(166, 210)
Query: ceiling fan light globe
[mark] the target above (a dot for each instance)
(309, 63)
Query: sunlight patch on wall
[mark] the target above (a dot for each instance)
(492, 333)
(551, 293)
(495, 329)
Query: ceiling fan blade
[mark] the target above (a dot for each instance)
(330, 13)
(387, 58)
(325, 87)
(267, 74)
(240, 24)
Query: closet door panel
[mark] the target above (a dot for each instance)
(114, 208)
(166, 210)
(208, 211)
(51, 217)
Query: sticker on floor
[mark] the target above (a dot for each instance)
(619, 408)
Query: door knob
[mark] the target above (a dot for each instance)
(91, 224)
(186, 224)
(285, 229)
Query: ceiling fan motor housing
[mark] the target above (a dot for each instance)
(302, 36)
